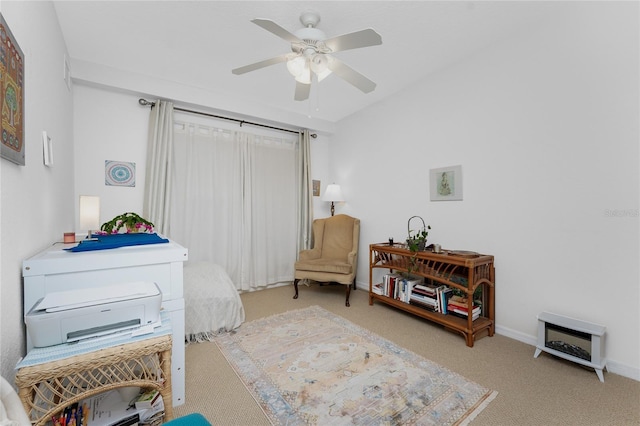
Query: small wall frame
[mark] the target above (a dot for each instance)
(119, 173)
(445, 183)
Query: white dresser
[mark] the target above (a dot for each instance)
(55, 269)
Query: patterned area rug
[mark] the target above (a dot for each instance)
(310, 366)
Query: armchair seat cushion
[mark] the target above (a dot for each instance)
(324, 265)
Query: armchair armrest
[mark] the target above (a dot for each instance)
(352, 257)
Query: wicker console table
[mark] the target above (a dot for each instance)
(461, 271)
(45, 389)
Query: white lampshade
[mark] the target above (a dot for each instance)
(333, 193)
(302, 65)
(89, 213)
(295, 65)
(318, 64)
(305, 76)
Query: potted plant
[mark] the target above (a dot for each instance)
(417, 239)
(127, 223)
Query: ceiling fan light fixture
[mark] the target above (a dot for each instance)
(305, 76)
(318, 63)
(320, 66)
(296, 65)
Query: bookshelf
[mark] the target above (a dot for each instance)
(463, 271)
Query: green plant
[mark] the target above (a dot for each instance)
(417, 240)
(127, 222)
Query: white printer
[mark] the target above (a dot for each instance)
(67, 316)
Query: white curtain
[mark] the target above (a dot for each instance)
(157, 186)
(235, 202)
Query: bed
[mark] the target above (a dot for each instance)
(212, 302)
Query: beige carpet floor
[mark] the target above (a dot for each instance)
(542, 391)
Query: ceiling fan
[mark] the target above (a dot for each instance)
(310, 54)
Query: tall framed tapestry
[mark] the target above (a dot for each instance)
(11, 96)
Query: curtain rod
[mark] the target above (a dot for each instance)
(145, 102)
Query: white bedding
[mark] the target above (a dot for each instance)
(212, 302)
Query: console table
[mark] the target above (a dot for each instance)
(50, 379)
(465, 271)
(55, 269)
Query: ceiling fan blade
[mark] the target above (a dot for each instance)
(302, 91)
(351, 76)
(355, 40)
(276, 29)
(258, 65)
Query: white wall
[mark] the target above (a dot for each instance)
(109, 126)
(37, 201)
(545, 126)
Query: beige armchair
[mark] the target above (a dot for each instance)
(334, 256)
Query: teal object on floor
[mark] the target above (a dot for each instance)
(195, 419)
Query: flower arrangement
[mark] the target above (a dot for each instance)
(126, 223)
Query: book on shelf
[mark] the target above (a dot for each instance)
(459, 301)
(389, 285)
(462, 304)
(428, 302)
(424, 296)
(460, 313)
(407, 286)
(443, 294)
(476, 308)
(147, 399)
(423, 305)
(378, 289)
(424, 299)
(463, 311)
(426, 288)
(402, 290)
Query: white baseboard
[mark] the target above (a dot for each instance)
(516, 335)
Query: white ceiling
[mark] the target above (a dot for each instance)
(198, 43)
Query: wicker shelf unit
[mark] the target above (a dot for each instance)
(46, 389)
(464, 271)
